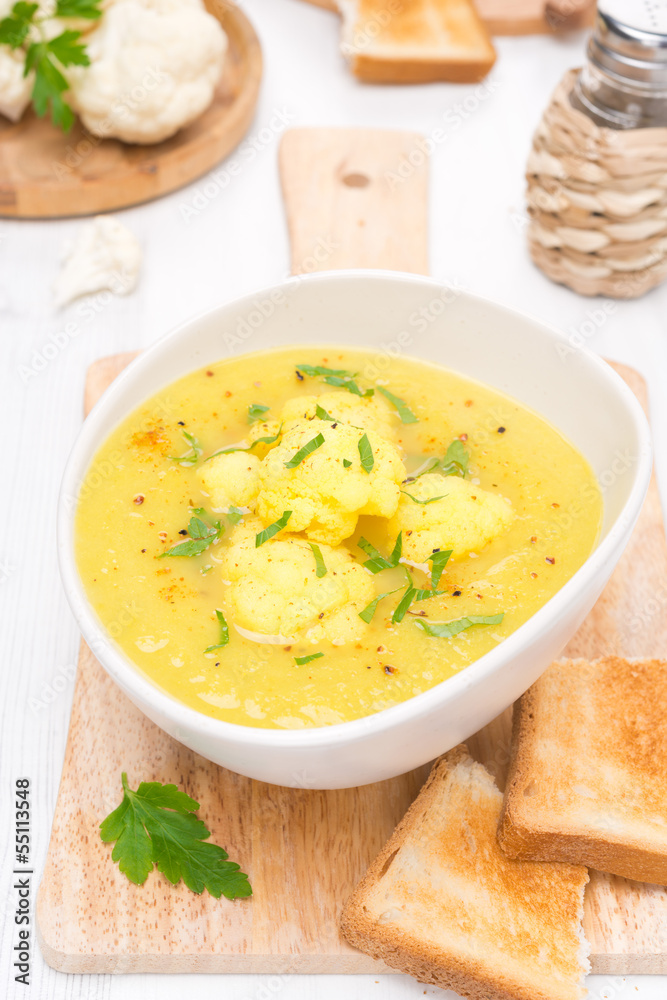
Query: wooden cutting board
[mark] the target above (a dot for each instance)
(45, 173)
(303, 849)
(522, 17)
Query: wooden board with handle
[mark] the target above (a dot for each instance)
(303, 849)
(46, 173)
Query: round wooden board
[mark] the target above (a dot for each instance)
(45, 173)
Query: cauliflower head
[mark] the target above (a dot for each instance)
(372, 413)
(464, 520)
(154, 67)
(274, 589)
(325, 496)
(230, 480)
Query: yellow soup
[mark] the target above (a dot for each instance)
(273, 554)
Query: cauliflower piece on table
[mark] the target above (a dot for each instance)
(465, 520)
(325, 496)
(274, 589)
(230, 480)
(372, 413)
(154, 67)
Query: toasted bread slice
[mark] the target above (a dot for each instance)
(415, 41)
(588, 765)
(443, 903)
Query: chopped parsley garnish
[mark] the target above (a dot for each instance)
(445, 630)
(195, 448)
(234, 515)
(411, 595)
(201, 536)
(378, 562)
(304, 452)
(366, 454)
(320, 567)
(256, 412)
(402, 408)
(270, 439)
(438, 560)
(224, 633)
(456, 460)
(273, 529)
(346, 463)
(455, 463)
(156, 825)
(315, 370)
(338, 377)
(321, 413)
(370, 609)
(300, 660)
(423, 502)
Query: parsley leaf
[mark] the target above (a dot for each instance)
(456, 460)
(346, 463)
(402, 408)
(304, 452)
(315, 370)
(300, 660)
(321, 569)
(439, 560)
(445, 630)
(14, 29)
(378, 562)
(224, 633)
(273, 529)
(156, 825)
(234, 515)
(201, 536)
(195, 448)
(366, 454)
(367, 614)
(271, 439)
(423, 502)
(321, 413)
(256, 411)
(338, 377)
(411, 595)
(78, 8)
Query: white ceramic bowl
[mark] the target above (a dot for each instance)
(388, 313)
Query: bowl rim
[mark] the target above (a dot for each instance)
(183, 717)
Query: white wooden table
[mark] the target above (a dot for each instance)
(233, 242)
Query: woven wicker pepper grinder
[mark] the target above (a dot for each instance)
(597, 172)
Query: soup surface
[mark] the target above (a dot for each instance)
(279, 627)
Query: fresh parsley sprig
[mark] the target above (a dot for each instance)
(304, 452)
(402, 408)
(273, 529)
(47, 57)
(156, 825)
(366, 456)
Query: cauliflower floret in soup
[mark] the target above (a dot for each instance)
(274, 589)
(329, 489)
(465, 520)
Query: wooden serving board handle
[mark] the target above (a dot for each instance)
(355, 198)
